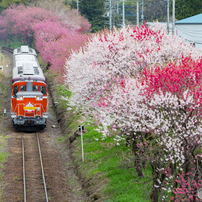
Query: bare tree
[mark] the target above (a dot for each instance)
(154, 10)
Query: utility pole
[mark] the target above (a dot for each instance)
(168, 6)
(123, 14)
(108, 7)
(173, 27)
(113, 14)
(137, 13)
(110, 15)
(77, 6)
(142, 17)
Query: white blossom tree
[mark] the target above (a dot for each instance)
(145, 84)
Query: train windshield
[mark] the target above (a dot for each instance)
(35, 88)
(23, 88)
(43, 90)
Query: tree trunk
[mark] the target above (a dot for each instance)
(137, 162)
(156, 189)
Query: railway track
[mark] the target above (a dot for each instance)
(29, 185)
(10, 50)
(31, 158)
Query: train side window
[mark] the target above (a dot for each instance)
(35, 88)
(20, 70)
(23, 88)
(36, 70)
(43, 90)
(15, 90)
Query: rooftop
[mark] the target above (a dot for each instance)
(196, 19)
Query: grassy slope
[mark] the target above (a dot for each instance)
(109, 166)
(3, 141)
(114, 165)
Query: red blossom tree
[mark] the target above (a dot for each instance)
(179, 88)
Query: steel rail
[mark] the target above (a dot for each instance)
(24, 180)
(44, 182)
(10, 50)
(23, 156)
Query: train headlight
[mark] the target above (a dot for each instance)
(13, 114)
(21, 97)
(37, 97)
(45, 115)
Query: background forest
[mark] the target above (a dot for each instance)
(153, 10)
(97, 11)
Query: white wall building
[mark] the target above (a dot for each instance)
(190, 29)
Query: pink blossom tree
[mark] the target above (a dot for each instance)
(20, 20)
(53, 35)
(55, 43)
(66, 15)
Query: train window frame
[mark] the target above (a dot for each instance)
(14, 91)
(43, 89)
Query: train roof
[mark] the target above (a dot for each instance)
(24, 50)
(25, 64)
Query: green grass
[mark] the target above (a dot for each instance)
(3, 139)
(12, 44)
(63, 91)
(3, 157)
(114, 167)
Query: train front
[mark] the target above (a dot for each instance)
(29, 105)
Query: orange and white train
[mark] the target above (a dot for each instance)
(29, 105)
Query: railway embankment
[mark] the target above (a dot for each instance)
(69, 121)
(3, 140)
(107, 173)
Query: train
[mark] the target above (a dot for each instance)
(29, 98)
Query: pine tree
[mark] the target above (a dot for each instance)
(187, 8)
(93, 10)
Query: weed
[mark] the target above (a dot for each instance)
(61, 139)
(19, 155)
(3, 157)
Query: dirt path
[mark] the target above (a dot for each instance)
(61, 180)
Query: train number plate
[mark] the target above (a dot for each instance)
(29, 108)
